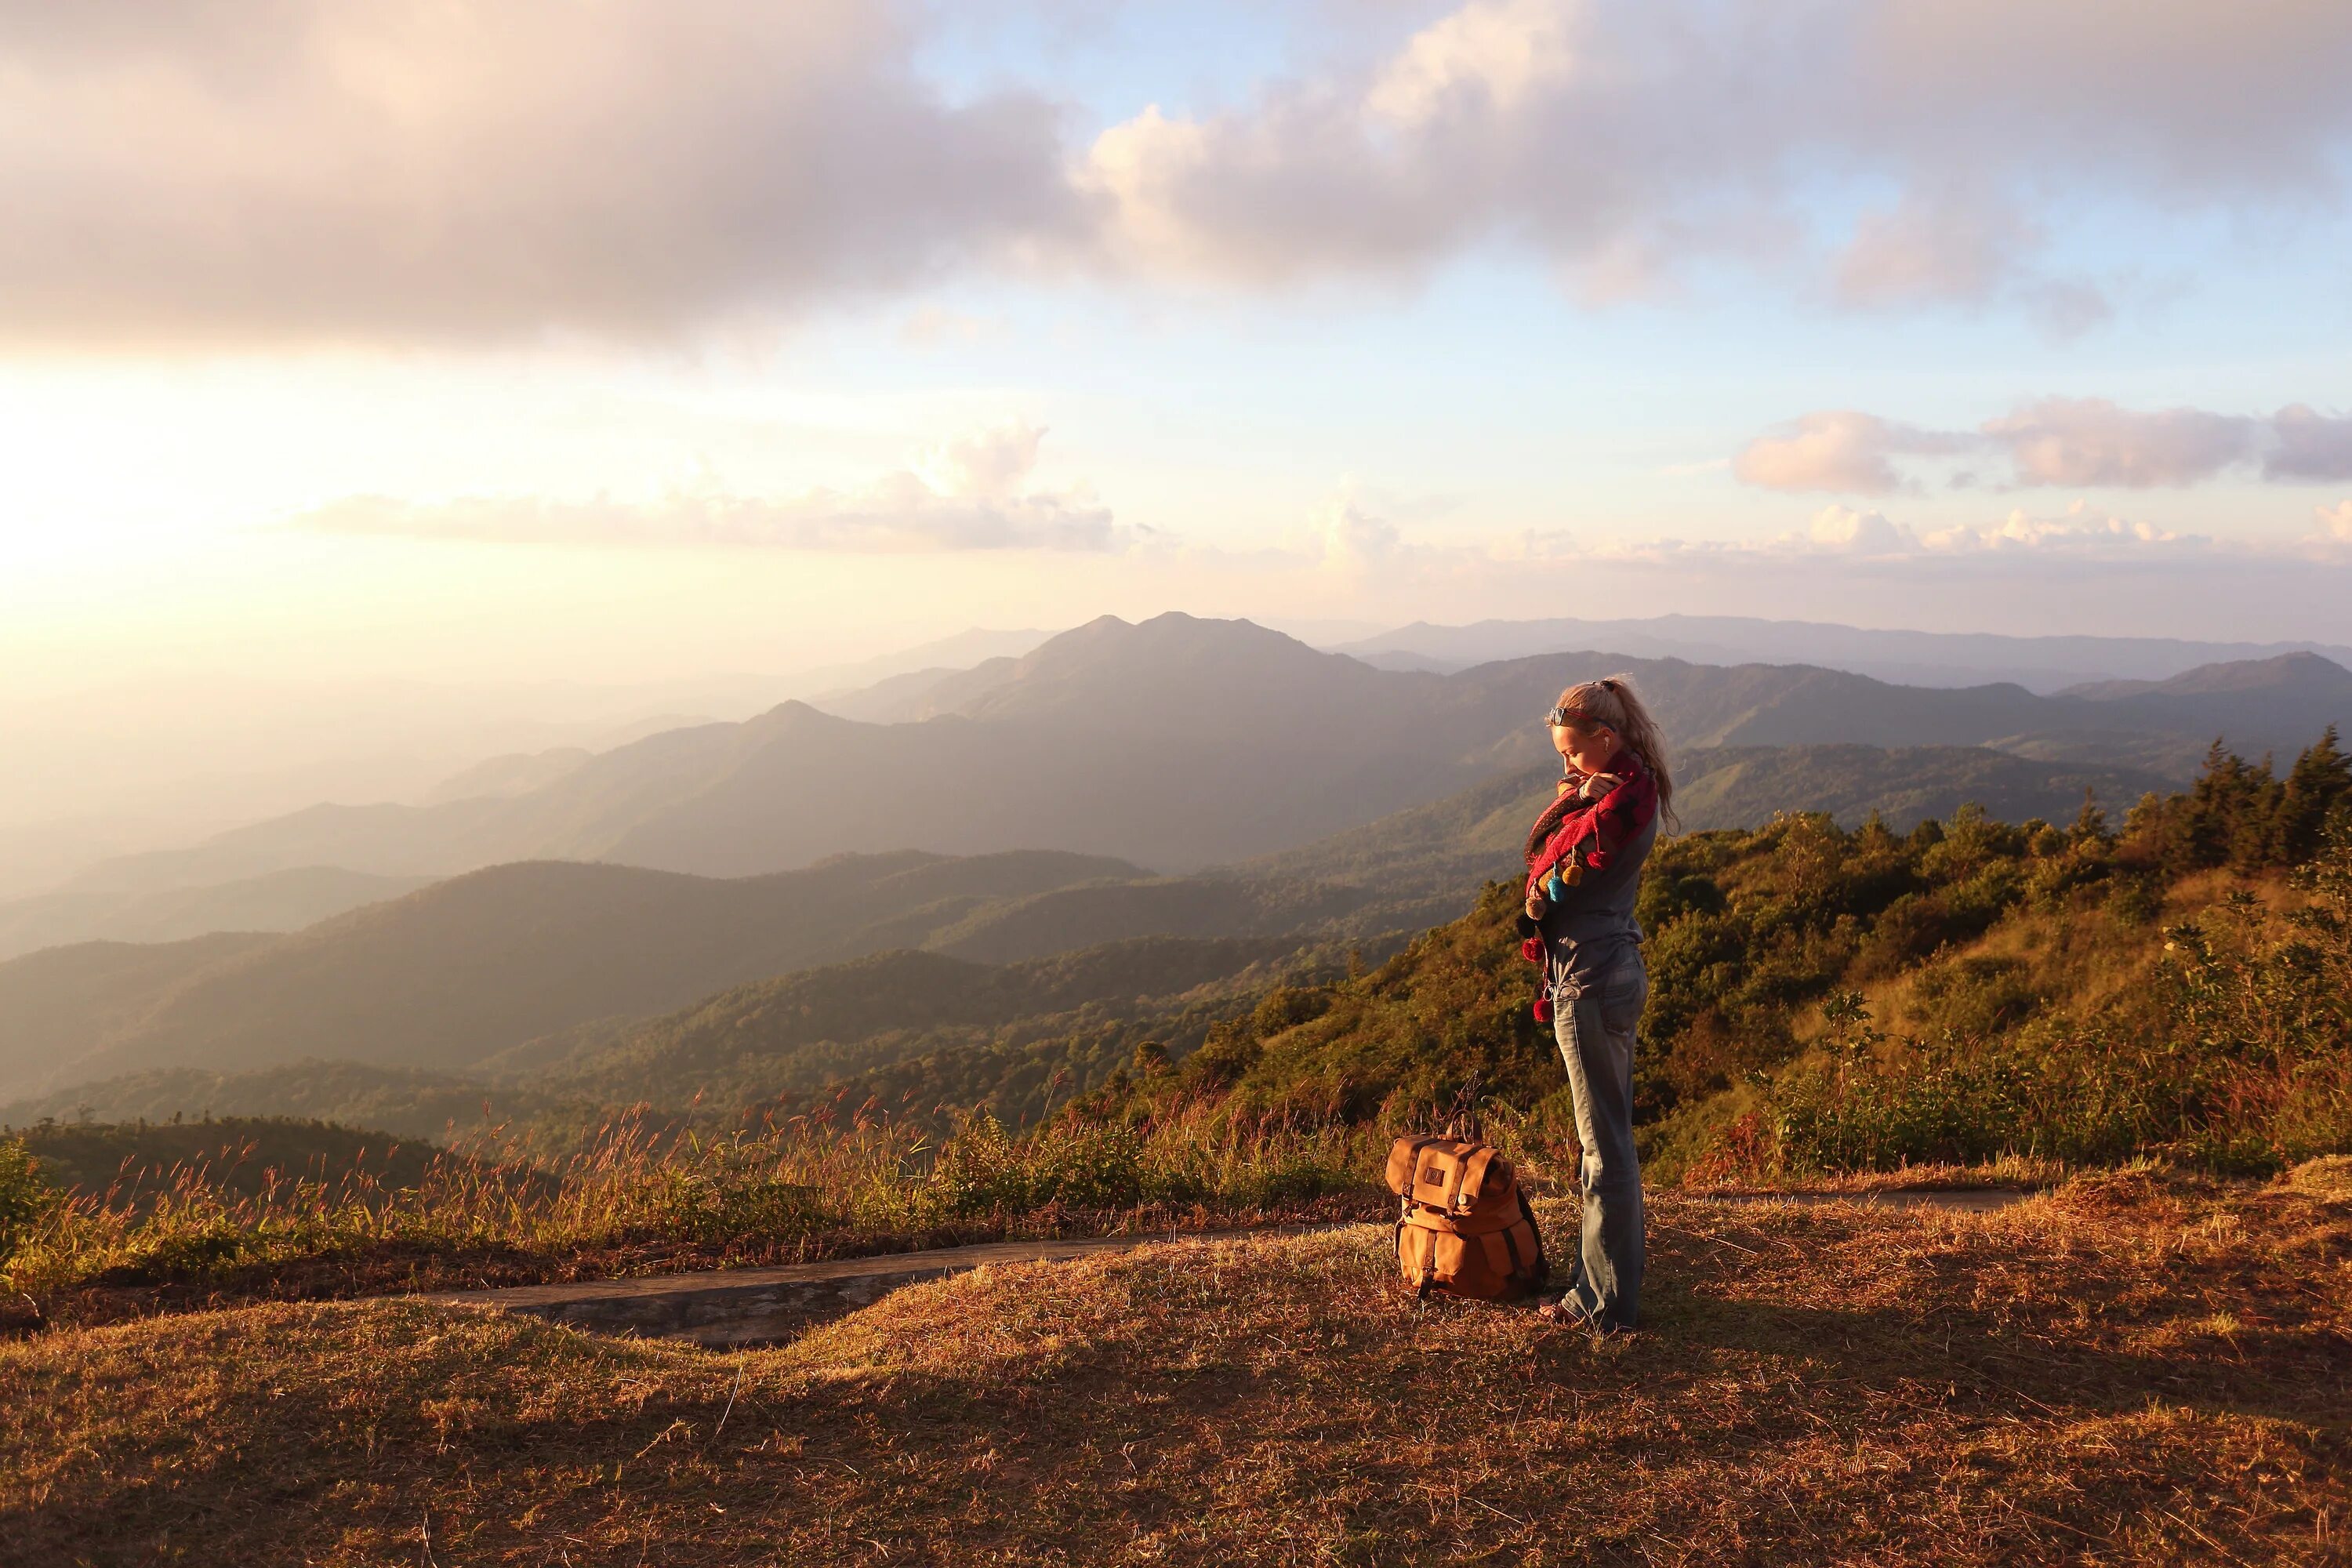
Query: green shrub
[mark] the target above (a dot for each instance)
(25, 1194)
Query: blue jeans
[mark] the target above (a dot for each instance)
(1594, 1015)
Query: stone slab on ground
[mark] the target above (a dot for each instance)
(729, 1309)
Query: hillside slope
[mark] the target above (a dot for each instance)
(278, 901)
(800, 1032)
(465, 968)
(54, 1006)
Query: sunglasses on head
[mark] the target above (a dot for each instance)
(1559, 716)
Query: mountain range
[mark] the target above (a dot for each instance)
(1181, 744)
(451, 975)
(529, 966)
(2043, 664)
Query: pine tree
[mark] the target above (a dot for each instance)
(2320, 781)
(2091, 822)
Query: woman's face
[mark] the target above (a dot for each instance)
(1585, 747)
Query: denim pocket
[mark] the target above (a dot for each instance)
(1620, 995)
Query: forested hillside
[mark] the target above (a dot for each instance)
(1827, 998)
(457, 971)
(1058, 1026)
(801, 1031)
(237, 1155)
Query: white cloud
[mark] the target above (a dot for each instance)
(1349, 541)
(975, 493)
(2334, 522)
(1850, 532)
(404, 169)
(932, 326)
(2081, 530)
(454, 169)
(1626, 139)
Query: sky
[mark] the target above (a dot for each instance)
(624, 342)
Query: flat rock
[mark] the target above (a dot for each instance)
(728, 1309)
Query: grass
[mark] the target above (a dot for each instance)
(2136, 1367)
(634, 1199)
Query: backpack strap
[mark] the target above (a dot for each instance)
(1511, 1239)
(1396, 1245)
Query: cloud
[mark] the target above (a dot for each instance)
(2309, 445)
(2081, 531)
(459, 170)
(1624, 140)
(1846, 531)
(2334, 522)
(1349, 540)
(455, 169)
(1936, 250)
(934, 326)
(2091, 441)
(971, 494)
(1837, 450)
(2072, 442)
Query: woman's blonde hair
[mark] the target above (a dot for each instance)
(1611, 700)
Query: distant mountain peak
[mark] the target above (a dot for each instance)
(2301, 670)
(790, 715)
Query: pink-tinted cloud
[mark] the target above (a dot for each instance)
(2080, 442)
(1838, 449)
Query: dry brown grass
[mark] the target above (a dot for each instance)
(2133, 1368)
(630, 1200)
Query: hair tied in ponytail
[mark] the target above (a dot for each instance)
(1611, 700)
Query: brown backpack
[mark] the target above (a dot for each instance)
(1461, 1229)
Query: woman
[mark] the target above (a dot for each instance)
(1584, 868)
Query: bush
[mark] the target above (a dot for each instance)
(26, 1195)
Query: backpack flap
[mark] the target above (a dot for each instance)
(1452, 1175)
(1404, 1163)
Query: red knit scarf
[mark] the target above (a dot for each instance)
(1598, 829)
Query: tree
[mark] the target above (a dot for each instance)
(2319, 783)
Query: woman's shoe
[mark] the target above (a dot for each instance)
(1568, 1314)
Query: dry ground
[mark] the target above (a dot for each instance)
(2134, 1368)
(406, 1265)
